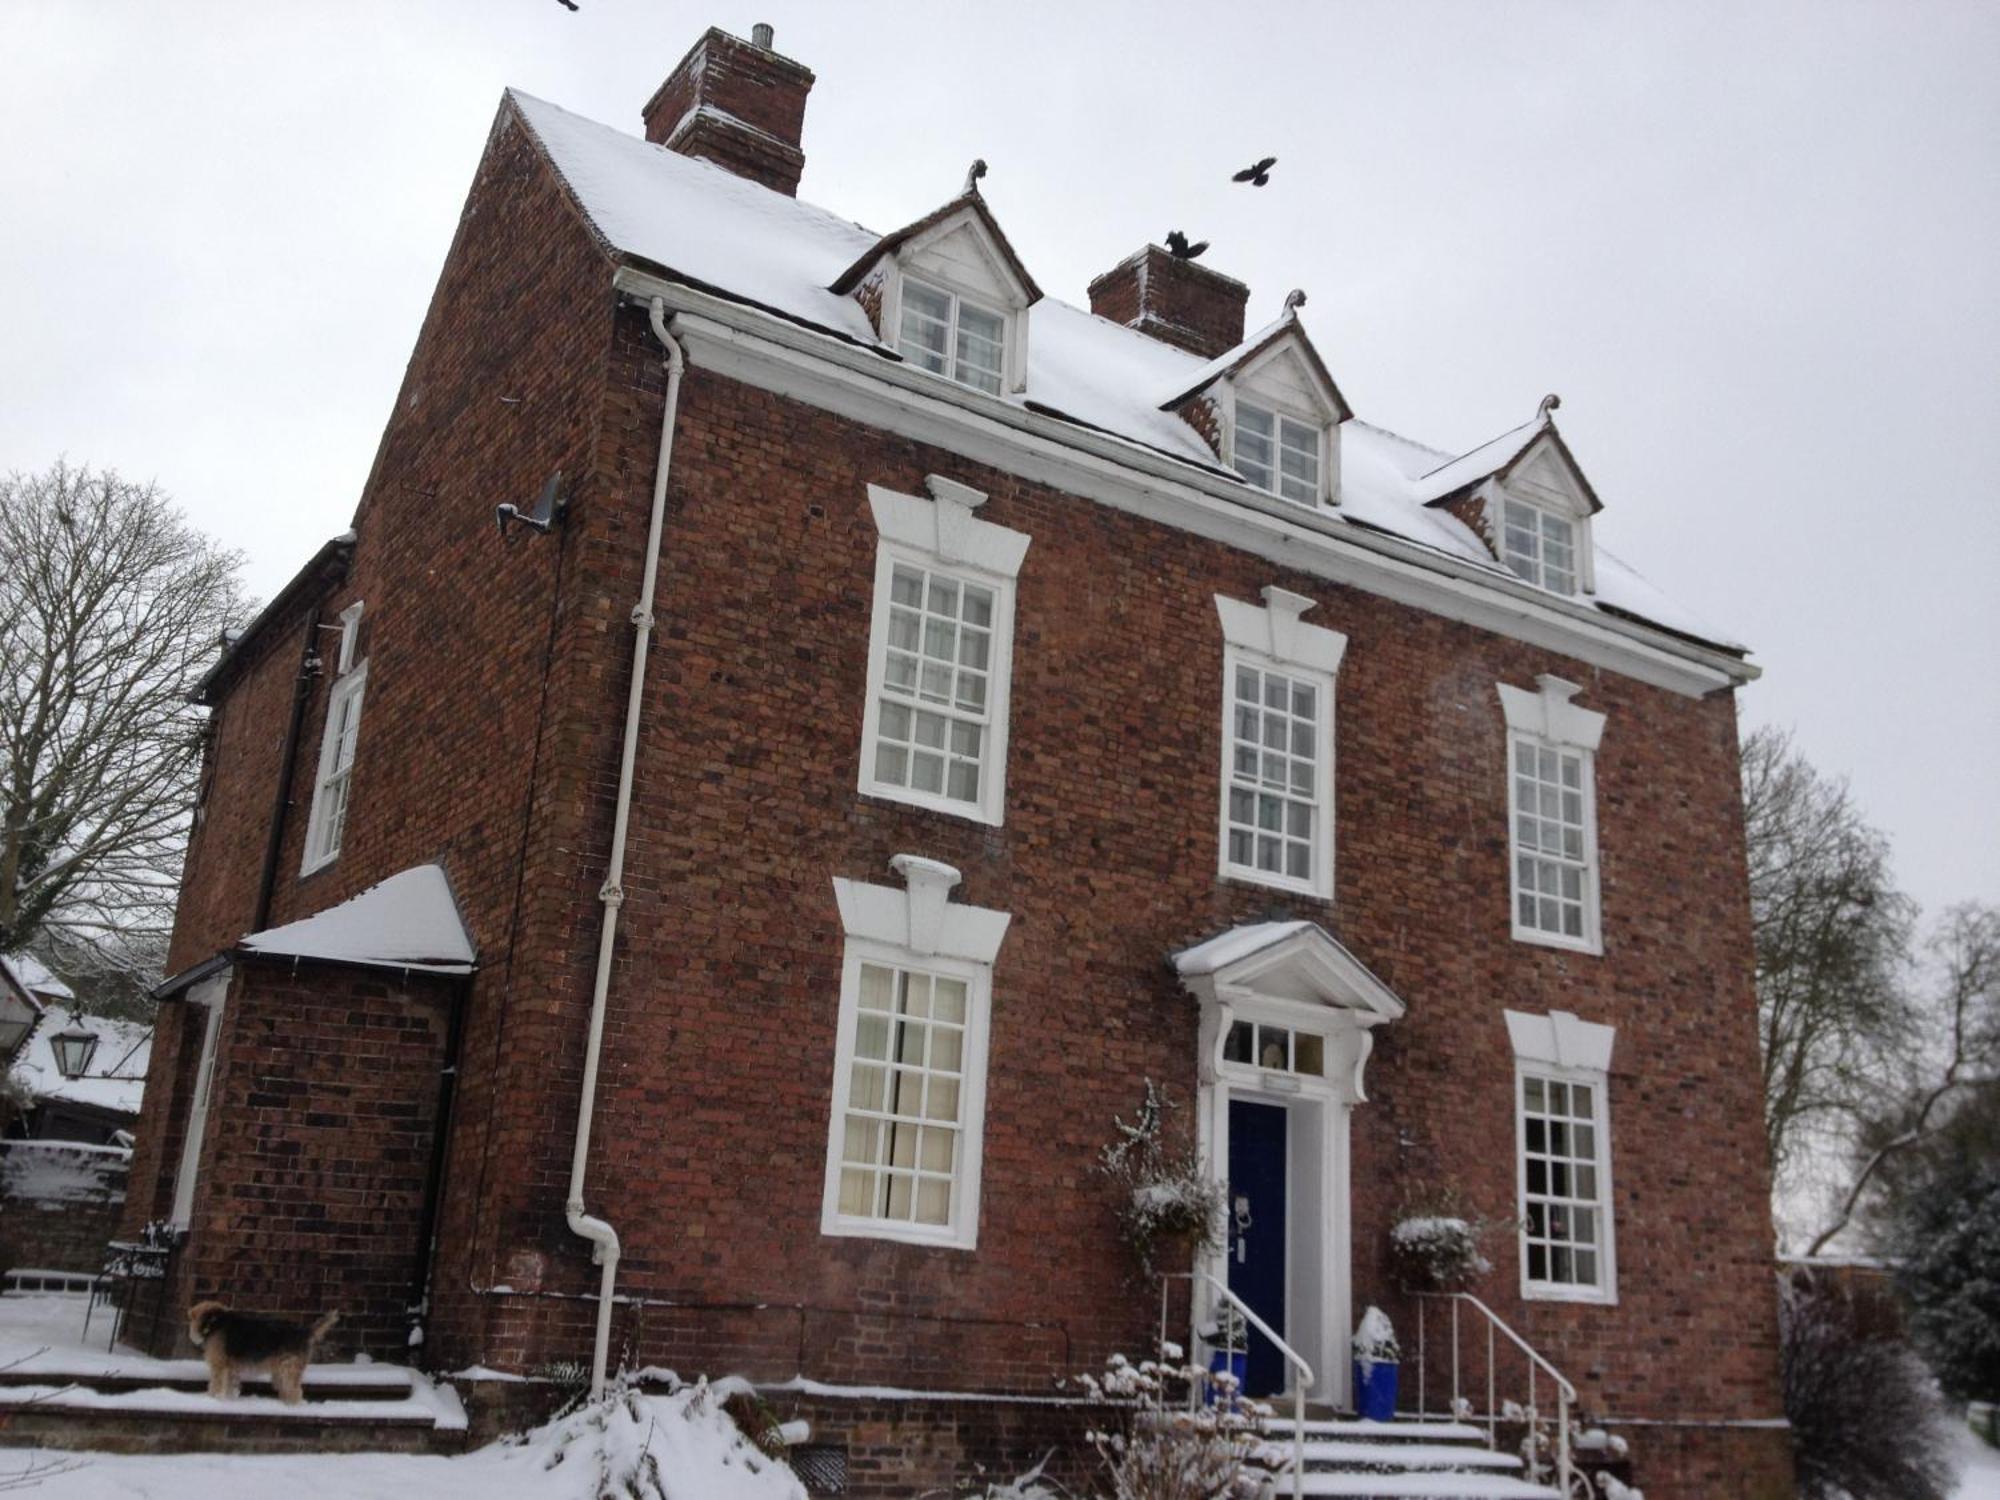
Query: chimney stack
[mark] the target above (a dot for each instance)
(1175, 301)
(737, 104)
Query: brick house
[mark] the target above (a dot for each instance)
(1024, 703)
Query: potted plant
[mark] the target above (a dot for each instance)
(1438, 1244)
(1377, 1361)
(1228, 1339)
(1172, 1205)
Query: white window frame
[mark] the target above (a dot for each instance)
(958, 300)
(209, 995)
(1560, 1048)
(323, 844)
(916, 928)
(1534, 567)
(1274, 638)
(1280, 415)
(942, 535)
(1548, 719)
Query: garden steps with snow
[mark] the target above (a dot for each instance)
(164, 1407)
(1408, 1460)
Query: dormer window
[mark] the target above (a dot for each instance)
(1539, 546)
(1276, 453)
(953, 337)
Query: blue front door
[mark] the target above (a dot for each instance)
(1257, 1229)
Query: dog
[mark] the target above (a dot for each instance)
(236, 1344)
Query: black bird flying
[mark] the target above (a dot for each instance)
(1258, 175)
(1178, 246)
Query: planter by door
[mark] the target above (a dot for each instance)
(1257, 1230)
(1375, 1390)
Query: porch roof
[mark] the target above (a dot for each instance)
(409, 921)
(1296, 960)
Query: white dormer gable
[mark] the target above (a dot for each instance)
(1539, 509)
(1272, 413)
(949, 295)
(1283, 382)
(959, 253)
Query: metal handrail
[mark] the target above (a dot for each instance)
(1305, 1371)
(1565, 1391)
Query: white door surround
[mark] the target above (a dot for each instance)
(1310, 1008)
(209, 995)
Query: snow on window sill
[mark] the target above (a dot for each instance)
(972, 812)
(1264, 879)
(931, 1237)
(1542, 939)
(1549, 1291)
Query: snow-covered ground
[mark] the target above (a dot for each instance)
(679, 1446)
(1980, 1470)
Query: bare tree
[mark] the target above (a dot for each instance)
(1957, 1065)
(1832, 935)
(111, 606)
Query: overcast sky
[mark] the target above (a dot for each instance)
(1756, 248)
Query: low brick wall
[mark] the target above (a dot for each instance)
(60, 1202)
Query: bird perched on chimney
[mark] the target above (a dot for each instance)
(1258, 175)
(1180, 249)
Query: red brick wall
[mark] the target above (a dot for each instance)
(714, 1113)
(312, 1170)
(1177, 301)
(490, 742)
(466, 636)
(60, 1204)
(761, 89)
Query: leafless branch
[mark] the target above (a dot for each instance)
(111, 607)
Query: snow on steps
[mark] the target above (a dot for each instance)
(1399, 1461)
(163, 1406)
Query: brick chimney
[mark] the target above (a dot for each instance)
(737, 104)
(1176, 301)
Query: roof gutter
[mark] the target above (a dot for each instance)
(603, 1238)
(776, 353)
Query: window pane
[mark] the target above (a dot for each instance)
(1309, 1054)
(898, 1142)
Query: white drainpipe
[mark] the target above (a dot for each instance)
(603, 1238)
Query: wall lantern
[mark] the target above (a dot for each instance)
(73, 1049)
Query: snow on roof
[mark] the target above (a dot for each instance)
(34, 977)
(708, 227)
(115, 1079)
(1481, 463)
(1238, 943)
(409, 921)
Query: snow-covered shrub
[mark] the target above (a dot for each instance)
(1171, 1206)
(1374, 1341)
(1950, 1237)
(679, 1446)
(1866, 1421)
(1029, 1486)
(1438, 1244)
(1165, 1449)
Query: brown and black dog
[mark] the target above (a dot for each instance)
(237, 1344)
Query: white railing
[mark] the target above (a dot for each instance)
(1493, 1416)
(1303, 1373)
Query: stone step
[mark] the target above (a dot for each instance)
(252, 1425)
(1432, 1485)
(1391, 1457)
(138, 1405)
(1402, 1431)
(331, 1385)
